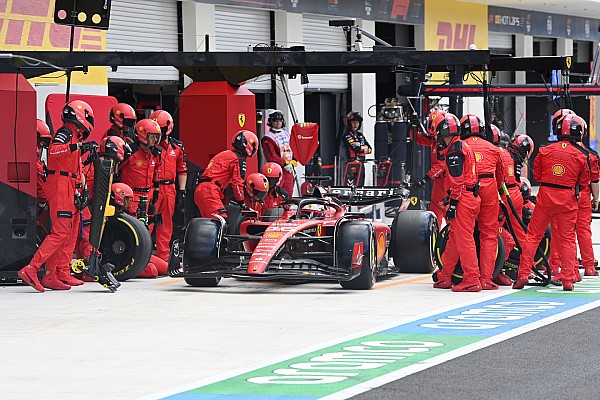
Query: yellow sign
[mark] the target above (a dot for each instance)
(241, 119)
(29, 25)
(455, 25)
(414, 200)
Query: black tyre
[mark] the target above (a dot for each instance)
(458, 272)
(202, 282)
(349, 234)
(272, 214)
(126, 244)
(234, 219)
(200, 243)
(414, 235)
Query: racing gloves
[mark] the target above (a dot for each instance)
(422, 182)
(451, 212)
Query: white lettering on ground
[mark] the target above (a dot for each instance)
(366, 356)
(493, 315)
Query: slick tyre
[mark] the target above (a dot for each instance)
(126, 244)
(234, 219)
(272, 214)
(414, 236)
(200, 245)
(349, 234)
(202, 282)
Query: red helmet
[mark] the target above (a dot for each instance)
(433, 120)
(147, 127)
(449, 126)
(557, 117)
(523, 146)
(571, 127)
(81, 115)
(121, 195)
(353, 116)
(43, 134)
(273, 172)
(165, 121)
(496, 134)
(123, 116)
(114, 147)
(246, 142)
(257, 186)
(471, 125)
(525, 187)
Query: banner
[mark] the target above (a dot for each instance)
(28, 25)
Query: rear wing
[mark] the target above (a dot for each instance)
(364, 196)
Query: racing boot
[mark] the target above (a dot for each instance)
(520, 282)
(487, 284)
(590, 272)
(442, 282)
(51, 281)
(28, 274)
(502, 280)
(468, 286)
(161, 265)
(577, 275)
(568, 285)
(64, 274)
(149, 272)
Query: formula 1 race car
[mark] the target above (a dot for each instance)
(313, 238)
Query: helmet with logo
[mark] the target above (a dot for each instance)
(43, 134)
(571, 127)
(523, 146)
(165, 121)
(246, 142)
(353, 116)
(123, 116)
(273, 172)
(257, 186)
(525, 187)
(496, 133)
(147, 127)
(114, 147)
(435, 117)
(558, 115)
(471, 125)
(276, 115)
(448, 126)
(121, 194)
(79, 113)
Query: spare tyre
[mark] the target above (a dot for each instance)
(126, 244)
(413, 243)
(200, 245)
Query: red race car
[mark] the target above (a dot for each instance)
(316, 237)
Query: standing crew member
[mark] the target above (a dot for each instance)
(43, 142)
(356, 144)
(436, 170)
(229, 166)
(491, 177)
(173, 178)
(123, 119)
(64, 167)
(276, 148)
(276, 194)
(558, 167)
(461, 180)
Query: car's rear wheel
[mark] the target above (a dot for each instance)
(351, 233)
(272, 214)
(413, 243)
(202, 282)
(126, 244)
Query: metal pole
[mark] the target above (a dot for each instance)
(71, 43)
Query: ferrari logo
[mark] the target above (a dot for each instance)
(568, 61)
(319, 230)
(478, 156)
(414, 200)
(241, 119)
(558, 169)
(564, 145)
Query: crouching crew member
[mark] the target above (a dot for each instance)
(229, 166)
(461, 179)
(559, 167)
(277, 194)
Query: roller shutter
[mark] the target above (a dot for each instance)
(240, 29)
(498, 40)
(319, 36)
(143, 25)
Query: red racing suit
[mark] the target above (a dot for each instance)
(141, 172)
(436, 174)
(172, 165)
(558, 167)
(514, 191)
(276, 148)
(64, 167)
(461, 179)
(274, 198)
(226, 167)
(491, 177)
(584, 215)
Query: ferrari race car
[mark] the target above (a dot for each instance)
(314, 238)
